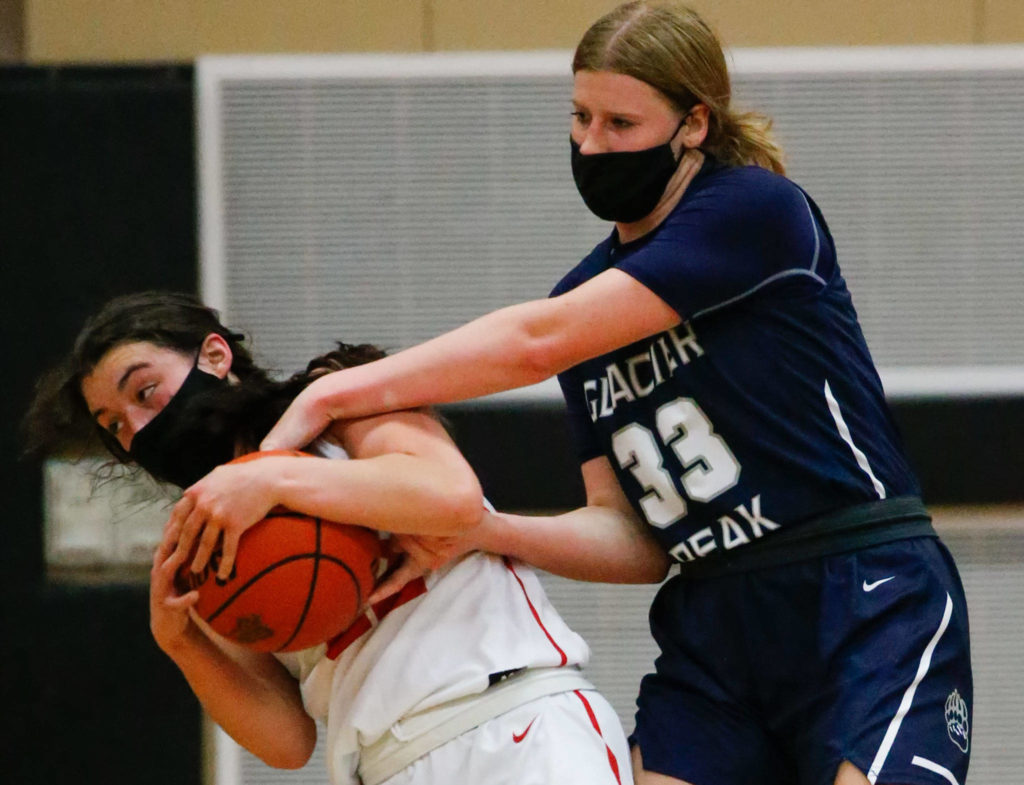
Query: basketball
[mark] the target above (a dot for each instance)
(297, 580)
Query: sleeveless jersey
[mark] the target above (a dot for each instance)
(763, 407)
(450, 635)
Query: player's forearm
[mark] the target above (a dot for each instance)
(499, 351)
(251, 697)
(396, 492)
(597, 544)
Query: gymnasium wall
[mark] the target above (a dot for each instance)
(97, 183)
(105, 31)
(97, 188)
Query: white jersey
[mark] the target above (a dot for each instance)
(447, 636)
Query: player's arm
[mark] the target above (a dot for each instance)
(249, 694)
(404, 475)
(602, 542)
(512, 347)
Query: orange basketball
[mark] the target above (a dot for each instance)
(297, 580)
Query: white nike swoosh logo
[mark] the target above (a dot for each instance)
(875, 584)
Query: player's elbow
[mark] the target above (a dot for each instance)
(652, 562)
(655, 570)
(291, 751)
(634, 569)
(287, 761)
(537, 347)
(540, 359)
(464, 504)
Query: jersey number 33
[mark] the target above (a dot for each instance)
(709, 467)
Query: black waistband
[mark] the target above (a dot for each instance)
(839, 531)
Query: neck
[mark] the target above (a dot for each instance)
(681, 179)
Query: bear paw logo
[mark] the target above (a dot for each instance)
(956, 720)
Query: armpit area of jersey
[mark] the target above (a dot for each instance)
(839, 531)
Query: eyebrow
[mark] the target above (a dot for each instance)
(128, 372)
(626, 114)
(122, 382)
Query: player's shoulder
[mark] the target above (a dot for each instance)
(748, 186)
(757, 199)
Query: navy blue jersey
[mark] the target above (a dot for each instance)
(763, 408)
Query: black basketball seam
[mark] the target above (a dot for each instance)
(269, 568)
(312, 585)
(290, 514)
(281, 563)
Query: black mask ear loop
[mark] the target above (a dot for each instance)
(682, 122)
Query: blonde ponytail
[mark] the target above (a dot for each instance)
(745, 138)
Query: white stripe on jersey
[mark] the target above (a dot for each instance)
(844, 431)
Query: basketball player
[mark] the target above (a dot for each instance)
(468, 675)
(716, 377)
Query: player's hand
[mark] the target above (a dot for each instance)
(218, 509)
(305, 418)
(434, 552)
(423, 553)
(407, 570)
(169, 618)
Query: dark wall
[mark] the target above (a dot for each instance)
(97, 198)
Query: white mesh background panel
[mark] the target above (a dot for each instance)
(390, 210)
(391, 198)
(921, 177)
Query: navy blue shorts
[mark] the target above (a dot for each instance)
(778, 676)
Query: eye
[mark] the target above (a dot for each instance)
(113, 427)
(622, 123)
(145, 392)
(579, 117)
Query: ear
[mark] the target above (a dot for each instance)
(695, 130)
(215, 355)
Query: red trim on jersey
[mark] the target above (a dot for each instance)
(612, 761)
(363, 624)
(533, 610)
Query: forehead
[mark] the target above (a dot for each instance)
(125, 354)
(617, 93)
(120, 363)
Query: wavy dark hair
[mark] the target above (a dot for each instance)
(59, 422)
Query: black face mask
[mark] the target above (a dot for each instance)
(181, 444)
(625, 186)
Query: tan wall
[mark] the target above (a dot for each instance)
(11, 27)
(1002, 21)
(140, 30)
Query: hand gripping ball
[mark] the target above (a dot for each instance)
(297, 581)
